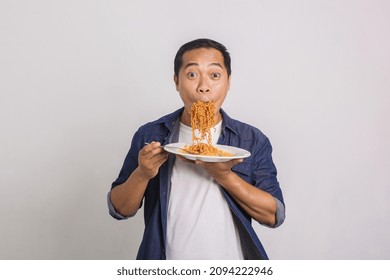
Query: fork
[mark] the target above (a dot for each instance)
(147, 143)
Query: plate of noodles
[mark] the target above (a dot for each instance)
(205, 152)
(202, 124)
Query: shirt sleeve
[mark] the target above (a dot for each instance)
(265, 175)
(280, 213)
(112, 210)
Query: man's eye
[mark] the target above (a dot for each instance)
(192, 75)
(216, 75)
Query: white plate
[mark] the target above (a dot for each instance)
(176, 148)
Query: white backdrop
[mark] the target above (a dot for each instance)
(77, 78)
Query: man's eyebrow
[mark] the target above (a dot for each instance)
(196, 64)
(191, 64)
(216, 64)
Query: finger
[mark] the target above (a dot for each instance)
(150, 159)
(160, 160)
(151, 165)
(151, 149)
(150, 146)
(236, 161)
(219, 165)
(205, 164)
(185, 159)
(155, 163)
(158, 157)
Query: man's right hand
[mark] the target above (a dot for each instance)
(150, 158)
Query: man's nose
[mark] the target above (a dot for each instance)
(203, 86)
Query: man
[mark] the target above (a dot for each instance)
(196, 209)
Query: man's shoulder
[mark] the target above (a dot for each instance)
(165, 121)
(242, 128)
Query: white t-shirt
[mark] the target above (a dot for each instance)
(200, 223)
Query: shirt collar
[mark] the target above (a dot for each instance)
(170, 120)
(228, 123)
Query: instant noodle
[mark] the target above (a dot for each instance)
(202, 121)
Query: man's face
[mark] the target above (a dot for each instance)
(202, 76)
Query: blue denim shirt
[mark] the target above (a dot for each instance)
(258, 170)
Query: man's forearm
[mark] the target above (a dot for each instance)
(259, 204)
(127, 197)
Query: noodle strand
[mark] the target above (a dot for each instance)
(203, 120)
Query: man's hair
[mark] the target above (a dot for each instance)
(201, 43)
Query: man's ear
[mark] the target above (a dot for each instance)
(229, 80)
(176, 80)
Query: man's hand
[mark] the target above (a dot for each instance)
(150, 158)
(218, 170)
